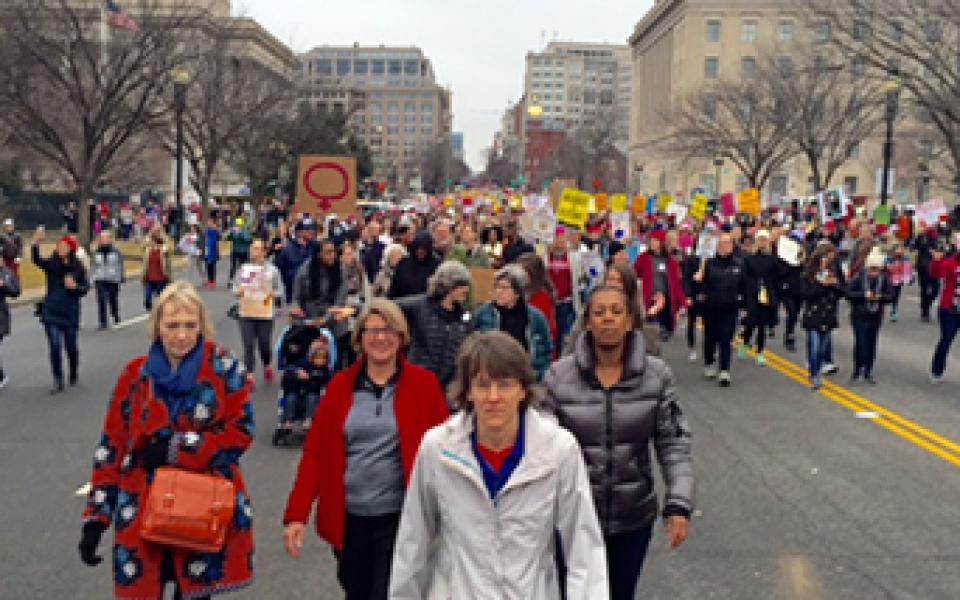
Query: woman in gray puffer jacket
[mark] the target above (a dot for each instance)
(616, 400)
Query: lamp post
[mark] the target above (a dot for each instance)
(893, 96)
(717, 165)
(923, 182)
(181, 78)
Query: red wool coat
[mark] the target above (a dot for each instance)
(418, 405)
(214, 428)
(946, 270)
(643, 267)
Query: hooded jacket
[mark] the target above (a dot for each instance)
(539, 340)
(615, 429)
(435, 335)
(501, 549)
(411, 275)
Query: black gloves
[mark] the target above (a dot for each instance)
(154, 453)
(89, 540)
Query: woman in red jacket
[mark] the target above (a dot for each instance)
(947, 269)
(359, 454)
(662, 290)
(541, 292)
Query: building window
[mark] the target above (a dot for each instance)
(410, 107)
(393, 130)
(411, 67)
(393, 107)
(376, 119)
(821, 32)
(394, 67)
(325, 66)
(375, 107)
(854, 152)
(393, 119)
(748, 67)
(426, 119)
(378, 67)
(412, 119)
(893, 67)
(749, 32)
(742, 183)
(785, 66)
(858, 67)
(860, 30)
(426, 130)
(850, 185)
(360, 67)
(343, 66)
(710, 106)
(410, 130)
(713, 31)
(785, 31)
(711, 67)
(896, 31)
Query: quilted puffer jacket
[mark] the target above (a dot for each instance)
(616, 427)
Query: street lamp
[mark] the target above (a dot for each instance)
(718, 165)
(923, 183)
(181, 78)
(893, 96)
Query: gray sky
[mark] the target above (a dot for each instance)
(477, 47)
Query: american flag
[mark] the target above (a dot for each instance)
(118, 19)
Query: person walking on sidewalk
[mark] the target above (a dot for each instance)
(60, 314)
(107, 273)
(946, 268)
(157, 266)
(761, 284)
(240, 240)
(821, 289)
(867, 293)
(9, 288)
(721, 283)
(257, 285)
(11, 246)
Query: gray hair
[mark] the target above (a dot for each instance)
(389, 250)
(448, 276)
(516, 276)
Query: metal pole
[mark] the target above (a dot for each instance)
(891, 114)
(179, 92)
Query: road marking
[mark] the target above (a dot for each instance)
(133, 321)
(83, 490)
(914, 433)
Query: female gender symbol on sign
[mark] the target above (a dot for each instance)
(329, 173)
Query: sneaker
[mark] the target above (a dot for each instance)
(761, 359)
(710, 372)
(925, 319)
(724, 378)
(815, 383)
(855, 377)
(869, 379)
(742, 352)
(57, 387)
(893, 316)
(790, 345)
(307, 423)
(936, 379)
(828, 369)
(692, 357)
(4, 381)
(268, 376)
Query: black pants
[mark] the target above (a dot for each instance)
(695, 310)
(211, 272)
(363, 568)
(719, 326)
(895, 303)
(929, 292)
(256, 332)
(167, 575)
(762, 318)
(236, 261)
(108, 297)
(865, 336)
(626, 553)
(792, 306)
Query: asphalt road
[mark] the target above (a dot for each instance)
(798, 497)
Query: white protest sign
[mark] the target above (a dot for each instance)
(620, 225)
(930, 211)
(789, 251)
(679, 211)
(707, 245)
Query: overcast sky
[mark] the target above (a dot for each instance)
(477, 46)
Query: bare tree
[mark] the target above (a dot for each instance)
(736, 121)
(911, 44)
(74, 92)
(500, 170)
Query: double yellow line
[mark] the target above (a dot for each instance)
(914, 433)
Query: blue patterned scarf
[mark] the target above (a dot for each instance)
(173, 386)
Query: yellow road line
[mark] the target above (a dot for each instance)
(914, 433)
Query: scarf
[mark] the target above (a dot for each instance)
(173, 386)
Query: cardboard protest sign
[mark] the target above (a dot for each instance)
(327, 185)
(482, 279)
(748, 201)
(789, 251)
(574, 207)
(256, 299)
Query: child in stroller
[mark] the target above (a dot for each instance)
(306, 355)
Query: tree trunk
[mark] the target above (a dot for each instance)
(84, 193)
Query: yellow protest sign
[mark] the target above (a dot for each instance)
(698, 208)
(748, 201)
(448, 201)
(573, 208)
(600, 203)
(639, 206)
(516, 202)
(618, 203)
(664, 201)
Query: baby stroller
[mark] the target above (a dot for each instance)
(292, 350)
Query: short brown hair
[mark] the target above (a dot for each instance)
(498, 355)
(389, 312)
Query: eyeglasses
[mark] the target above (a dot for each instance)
(485, 387)
(375, 332)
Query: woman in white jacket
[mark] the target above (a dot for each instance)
(490, 488)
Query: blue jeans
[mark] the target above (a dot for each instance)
(865, 336)
(57, 338)
(151, 289)
(949, 325)
(626, 553)
(819, 350)
(566, 317)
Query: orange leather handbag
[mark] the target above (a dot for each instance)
(188, 510)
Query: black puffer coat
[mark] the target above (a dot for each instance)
(435, 334)
(615, 429)
(761, 270)
(10, 289)
(411, 275)
(820, 302)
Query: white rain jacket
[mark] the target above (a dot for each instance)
(454, 542)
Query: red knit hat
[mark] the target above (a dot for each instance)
(660, 235)
(70, 241)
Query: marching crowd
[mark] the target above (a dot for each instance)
(436, 463)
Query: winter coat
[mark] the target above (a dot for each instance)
(291, 258)
(477, 257)
(820, 303)
(615, 429)
(211, 245)
(411, 275)
(107, 265)
(9, 288)
(418, 406)
(643, 267)
(240, 242)
(166, 260)
(516, 248)
(863, 311)
(11, 246)
(213, 430)
(317, 307)
(761, 272)
(371, 256)
(539, 340)
(61, 307)
(947, 270)
(434, 339)
(499, 549)
(722, 284)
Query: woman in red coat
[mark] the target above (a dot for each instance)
(185, 405)
(359, 454)
(659, 273)
(541, 292)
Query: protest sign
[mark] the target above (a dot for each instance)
(707, 244)
(748, 201)
(482, 279)
(327, 185)
(727, 206)
(698, 208)
(256, 293)
(618, 203)
(620, 225)
(573, 208)
(930, 211)
(881, 214)
(789, 251)
(664, 202)
(678, 211)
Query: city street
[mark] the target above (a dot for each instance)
(850, 492)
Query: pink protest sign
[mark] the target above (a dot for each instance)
(727, 207)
